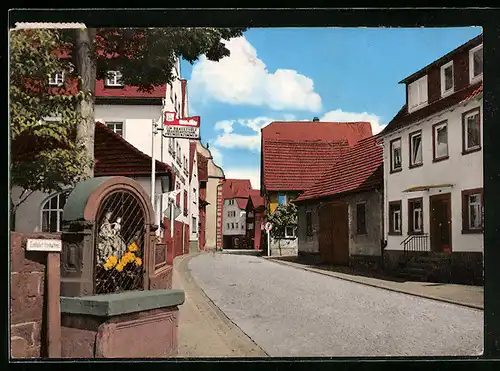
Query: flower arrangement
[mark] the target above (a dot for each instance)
(127, 258)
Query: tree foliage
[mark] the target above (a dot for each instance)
(282, 217)
(45, 155)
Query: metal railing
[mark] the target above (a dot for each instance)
(416, 243)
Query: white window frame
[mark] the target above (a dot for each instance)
(250, 226)
(194, 227)
(477, 203)
(287, 235)
(396, 214)
(435, 135)
(57, 79)
(412, 161)
(393, 157)
(418, 94)
(473, 79)
(57, 210)
(417, 219)
(444, 92)
(115, 80)
(466, 137)
(114, 123)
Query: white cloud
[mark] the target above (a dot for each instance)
(242, 78)
(250, 142)
(244, 173)
(228, 139)
(340, 116)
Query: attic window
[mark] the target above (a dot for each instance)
(114, 78)
(476, 64)
(417, 94)
(117, 127)
(447, 79)
(56, 79)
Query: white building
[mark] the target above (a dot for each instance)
(433, 171)
(194, 197)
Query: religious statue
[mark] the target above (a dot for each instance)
(110, 241)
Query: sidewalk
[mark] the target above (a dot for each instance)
(470, 296)
(204, 331)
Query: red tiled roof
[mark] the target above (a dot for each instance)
(257, 199)
(403, 118)
(192, 151)
(360, 169)
(325, 131)
(291, 165)
(202, 167)
(128, 91)
(242, 202)
(232, 188)
(115, 156)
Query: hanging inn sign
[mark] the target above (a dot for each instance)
(182, 128)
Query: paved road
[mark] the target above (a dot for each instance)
(292, 312)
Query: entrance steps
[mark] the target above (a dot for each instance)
(426, 268)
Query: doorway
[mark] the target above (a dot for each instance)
(440, 222)
(334, 233)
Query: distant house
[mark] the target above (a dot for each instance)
(293, 157)
(434, 171)
(340, 215)
(202, 162)
(235, 194)
(194, 198)
(255, 213)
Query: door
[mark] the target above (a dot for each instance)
(440, 228)
(334, 234)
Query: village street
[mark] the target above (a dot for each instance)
(291, 312)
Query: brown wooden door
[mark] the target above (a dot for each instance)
(334, 234)
(440, 222)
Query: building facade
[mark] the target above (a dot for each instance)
(434, 169)
(255, 213)
(235, 193)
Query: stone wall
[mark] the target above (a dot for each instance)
(284, 247)
(27, 296)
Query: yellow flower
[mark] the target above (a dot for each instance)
(133, 247)
(119, 267)
(129, 257)
(138, 261)
(110, 263)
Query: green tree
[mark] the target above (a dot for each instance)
(282, 217)
(145, 57)
(45, 155)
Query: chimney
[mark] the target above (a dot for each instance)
(315, 119)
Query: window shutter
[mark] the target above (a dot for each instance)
(423, 90)
(411, 95)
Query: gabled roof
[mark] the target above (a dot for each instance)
(192, 152)
(202, 167)
(294, 166)
(115, 156)
(233, 188)
(360, 169)
(404, 119)
(242, 202)
(294, 154)
(256, 199)
(127, 91)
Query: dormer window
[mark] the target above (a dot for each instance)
(114, 78)
(417, 94)
(447, 79)
(476, 64)
(56, 79)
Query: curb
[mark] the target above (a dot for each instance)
(408, 292)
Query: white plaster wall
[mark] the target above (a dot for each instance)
(194, 210)
(28, 215)
(463, 171)
(240, 218)
(308, 244)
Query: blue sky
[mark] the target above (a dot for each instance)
(336, 74)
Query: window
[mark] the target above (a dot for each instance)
(361, 218)
(415, 223)
(228, 225)
(178, 156)
(231, 202)
(440, 141)
(242, 226)
(416, 149)
(395, 217)
(236, 225)
(56, 79)
(289, 232)
(476, 64)
(395, 147)
(281, 198)
(178, 197)
(194, 225)
(417, 94)
(232, 225)
(185, 203)
(309, 227)
(472, 211)
(250, 226)
(52, 211)
(447, 79)
(184, 160)
(117, 127)
(471, 131)
(250, 214)
(113, 78)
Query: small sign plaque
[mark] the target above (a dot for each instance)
(44, 245)
(268, 226)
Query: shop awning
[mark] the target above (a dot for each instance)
(427, 187)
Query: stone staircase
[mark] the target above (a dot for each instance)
(429, 267)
